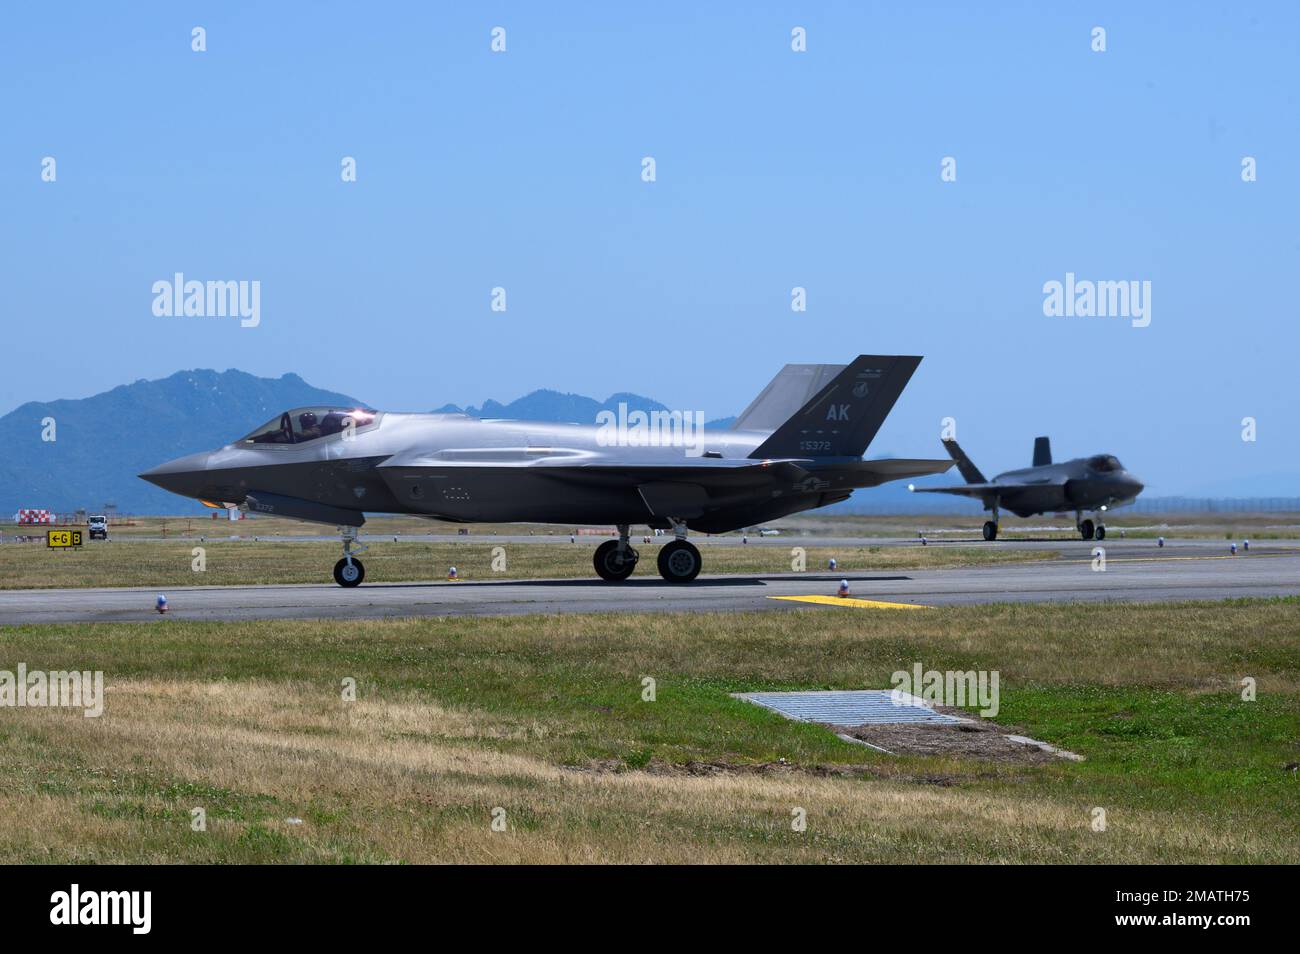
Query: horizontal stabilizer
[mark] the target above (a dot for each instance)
(896, 467)
(872, 473)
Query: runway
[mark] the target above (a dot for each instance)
(1135, 572)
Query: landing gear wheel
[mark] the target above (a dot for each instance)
(990, 530)
(679, 562)
(611, 565)
(349, 574)
(1101, 532)
(1086, 528)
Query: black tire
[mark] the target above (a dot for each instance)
(679, 562)
(611, 566)
(1100, 533)
(1086, 528)
(345, 575)
(990, 530)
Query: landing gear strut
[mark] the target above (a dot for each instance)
(1086, 528)
(614, 559)
(679, 561)
(349, 571)
(991, 526)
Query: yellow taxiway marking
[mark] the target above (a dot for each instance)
(850, 601)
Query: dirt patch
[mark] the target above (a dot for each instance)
(700, 768)
(976, 739)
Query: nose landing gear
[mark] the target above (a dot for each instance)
(615, 559)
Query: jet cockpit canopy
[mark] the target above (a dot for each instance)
(1105, 464)
(303, 424)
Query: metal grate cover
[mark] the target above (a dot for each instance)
(848, 707)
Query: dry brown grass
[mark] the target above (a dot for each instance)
(401, 780)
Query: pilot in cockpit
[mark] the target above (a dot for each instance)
(308, 427)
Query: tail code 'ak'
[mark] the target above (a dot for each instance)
(843, 417)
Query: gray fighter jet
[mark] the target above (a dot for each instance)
(1083, 484)
(798, 446)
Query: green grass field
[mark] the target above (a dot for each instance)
(171, 563)
(543, 718)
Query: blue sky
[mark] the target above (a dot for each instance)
(775, 169)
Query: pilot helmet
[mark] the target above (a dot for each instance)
(307, 419)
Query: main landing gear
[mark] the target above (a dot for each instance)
(991, 526)
(679, 561)
(349, 571)
(615, 559)
(1087, 529)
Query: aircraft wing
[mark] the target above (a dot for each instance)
(860, 473)
(696, 466)
(969, 490)
(564, 467)
(986, 488)
(546, 458)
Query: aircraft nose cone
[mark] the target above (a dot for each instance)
(180, 476)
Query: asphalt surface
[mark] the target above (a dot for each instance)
(1136, 571)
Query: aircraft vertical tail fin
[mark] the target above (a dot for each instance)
(790, 390)
(1042, 451)
(969, 472)
(843, 416)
